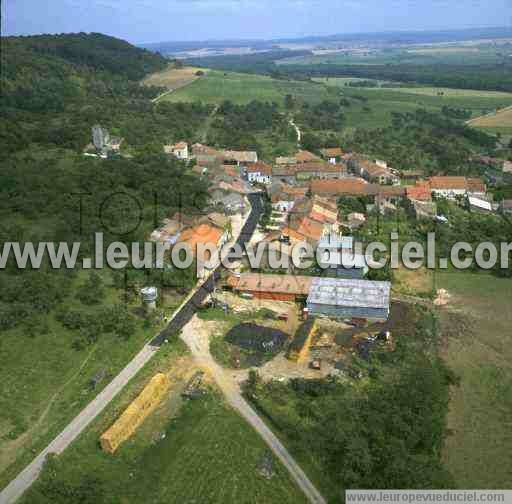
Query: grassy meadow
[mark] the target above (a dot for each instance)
(216, 86)
(45, 382)
(193, 451)
(382, 101)
(477, 347)
(370, 107)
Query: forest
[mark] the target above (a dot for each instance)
(437, 144)
(391, 428)
(54, 88)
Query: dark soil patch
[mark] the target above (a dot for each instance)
(402, 321)
(257, 338)
(253, 345)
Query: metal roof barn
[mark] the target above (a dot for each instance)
(349, 298)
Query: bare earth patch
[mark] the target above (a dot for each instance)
(174, 78)
(502, 119)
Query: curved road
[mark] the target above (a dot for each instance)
(194, 337)
(299, 133)
(182, 316)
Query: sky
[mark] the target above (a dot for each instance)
(140, 21)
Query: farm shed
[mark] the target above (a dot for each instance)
(349, 298)
(276, 287)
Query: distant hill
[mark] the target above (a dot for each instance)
(93, 50)
(378, 38)
(47, 72)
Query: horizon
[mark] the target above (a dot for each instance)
(151, 21)
(325, 36)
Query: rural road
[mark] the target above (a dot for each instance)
(490, 114)
(199, 345)
(299, 134)
(15, 489)
(161, 95)
(25, 478)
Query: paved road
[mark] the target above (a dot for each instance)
(198, 342)
(182, 316)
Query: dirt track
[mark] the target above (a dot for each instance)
(197, 340)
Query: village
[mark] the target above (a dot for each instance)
(319, 321)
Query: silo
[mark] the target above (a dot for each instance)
(149, 297)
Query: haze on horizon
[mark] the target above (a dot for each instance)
(144, 21)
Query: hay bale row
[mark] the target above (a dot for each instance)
(135, 414)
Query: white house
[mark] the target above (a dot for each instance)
(179, 150)
(259, 172)
(451, 187)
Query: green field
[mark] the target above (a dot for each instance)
(44, 381)
(452, 93)
(455, 55)
(477, 346)
(474, 100)
(215, 87)
(218, 86)
(199, 451)
(383, 101)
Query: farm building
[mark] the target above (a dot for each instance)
(340, 298)
(479, 205)
(277, 287)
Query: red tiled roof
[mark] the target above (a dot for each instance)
(309, 228)
(457, 183)
(476, 185)
(304, 156)
(385, 190)
(204, 233)
(420, 192)
(320, 167)
(448, 183)
(332, 152)
(283, 284)
(349, 186)
(321, 217)
(261, 167)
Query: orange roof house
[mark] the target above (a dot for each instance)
(332, 152)
(259, 167)
(304, 156)
(305, 229)
(201, 234)
(460, 184)
(419, 192)
(277, 287)
(455, 183)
